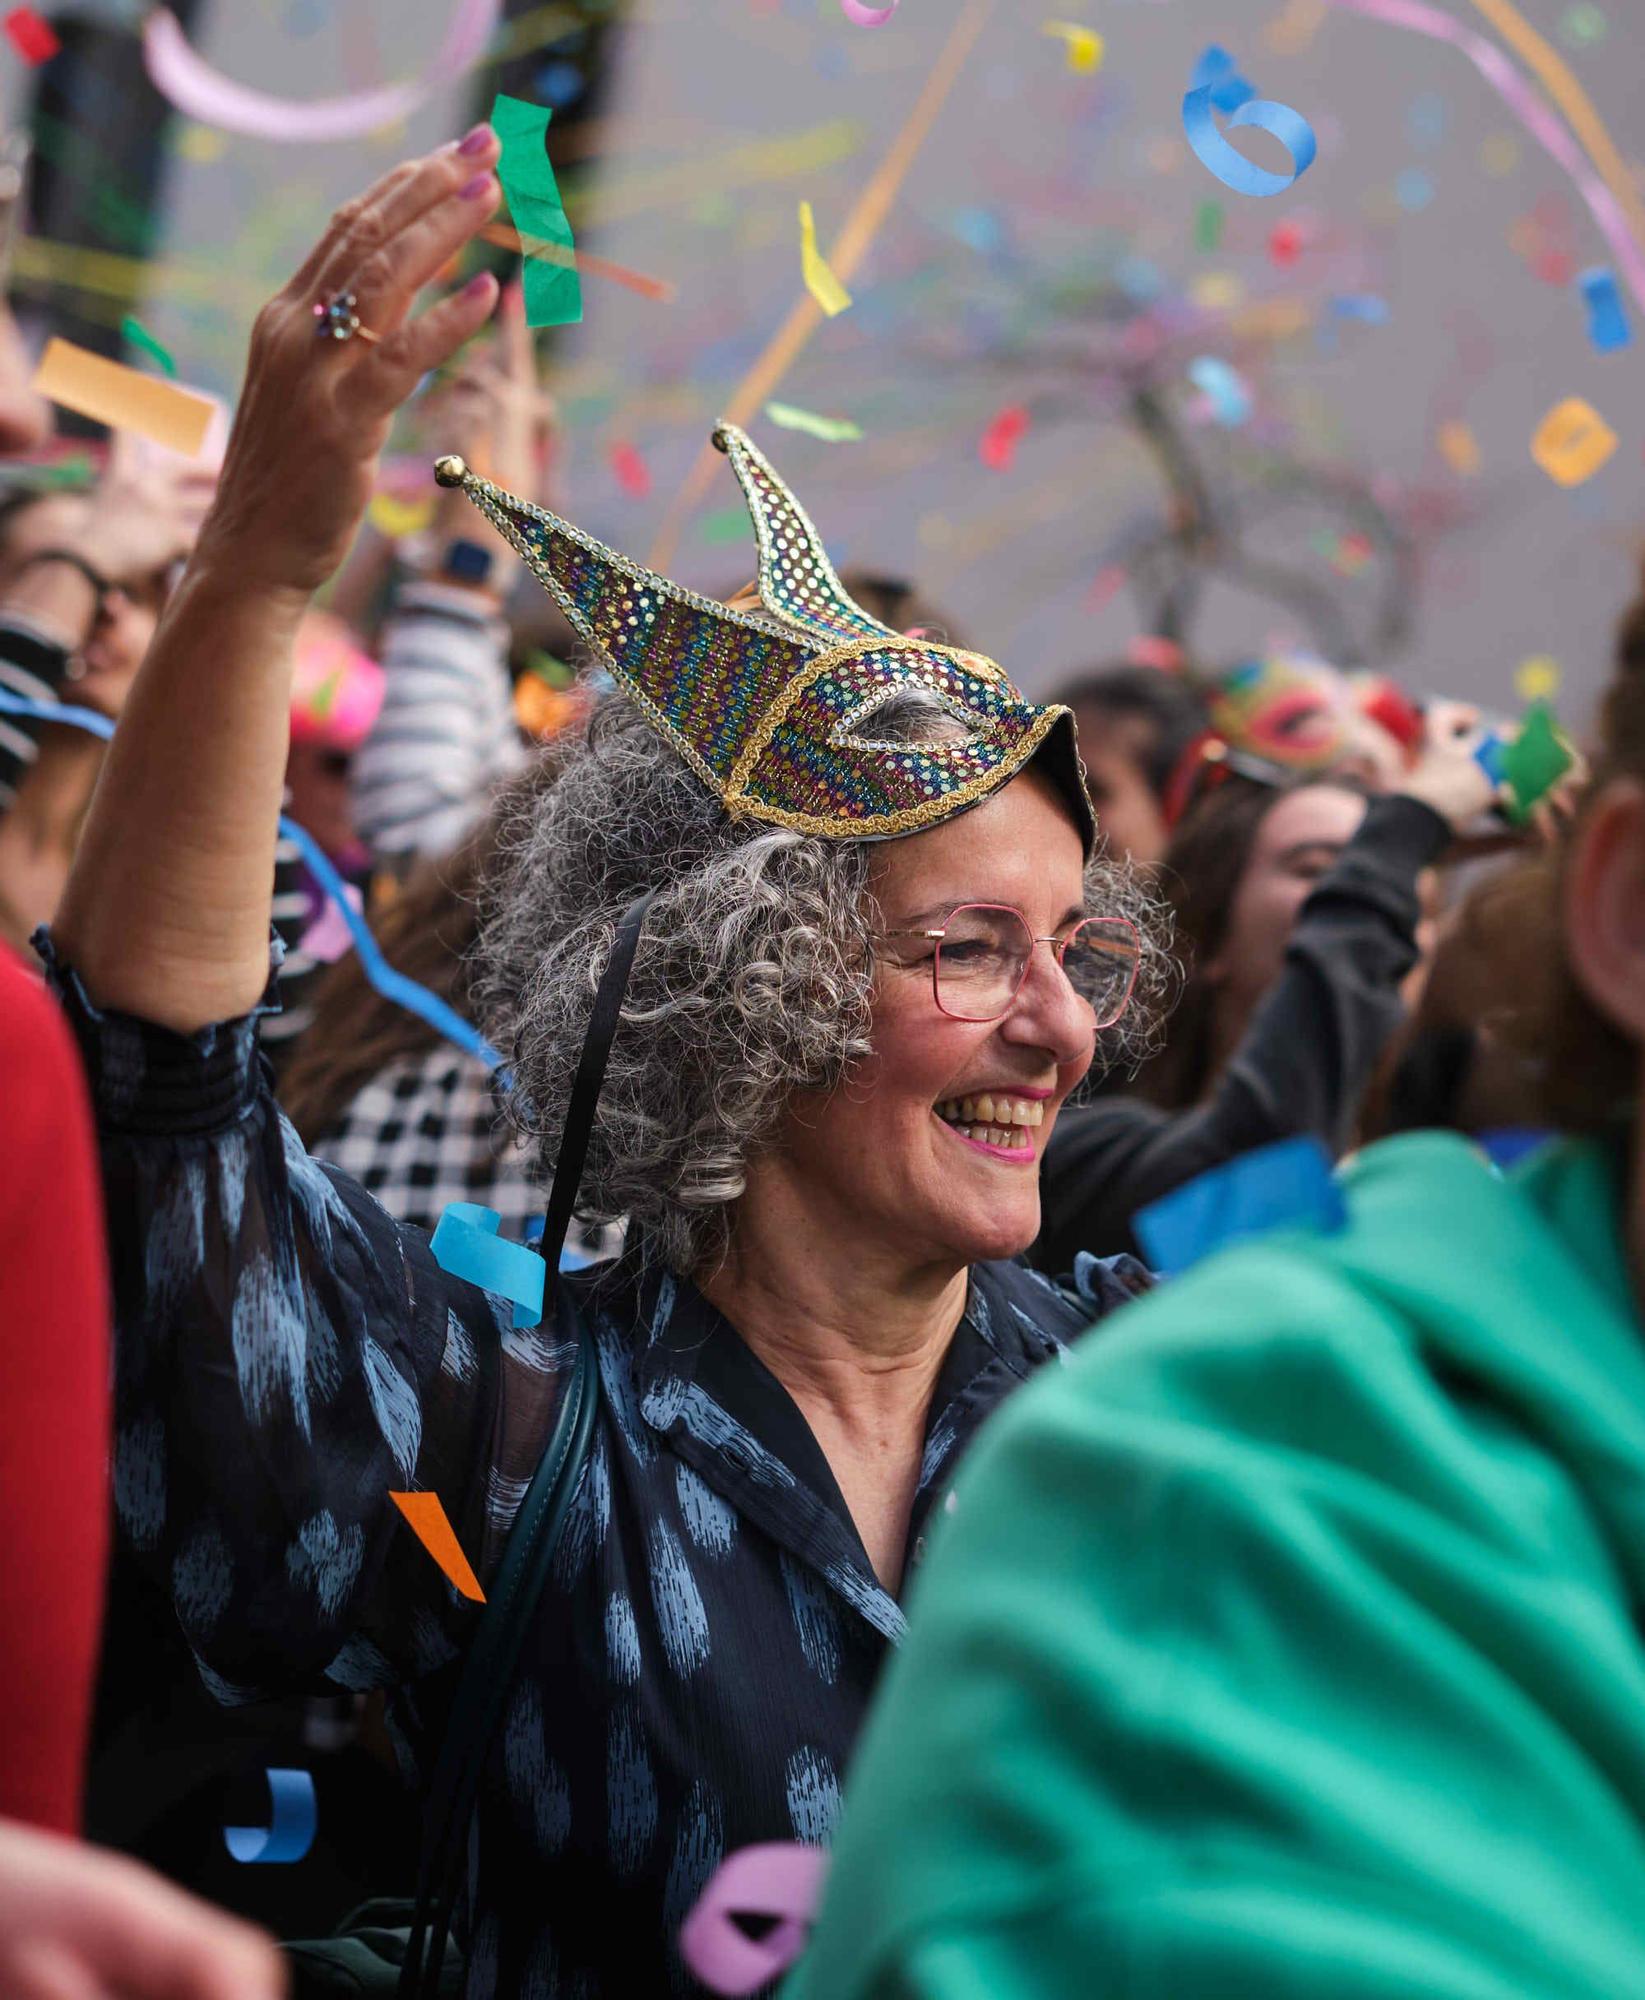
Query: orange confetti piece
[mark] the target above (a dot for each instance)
(1572, 442)
(110, 393)
(427, 1521)
(1459, 448)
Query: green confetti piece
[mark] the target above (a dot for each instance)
(1534, 762)
(1208, 225)
(135, 334)
(547, 667)
(729, 524)
(553, 290)
(832, 430)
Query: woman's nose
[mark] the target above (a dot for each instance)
(1048, 1014)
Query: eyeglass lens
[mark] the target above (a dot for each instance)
(983, 959)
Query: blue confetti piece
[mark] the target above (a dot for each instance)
(559, 84)
(1230, 399)
(1507, 1145)
(1608, 326)
(1425, 120)
(1492, 758)
(1363, 306)
(1288, 1185)
(1414, 189)
(1231, 167)
(294, 1816)
(466, 1244)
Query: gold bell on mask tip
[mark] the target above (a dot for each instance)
(450, 470)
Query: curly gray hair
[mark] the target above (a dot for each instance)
(753, 981)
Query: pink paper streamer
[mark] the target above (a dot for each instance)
(867, 17)
(779, 1879)
(1531, 112)
(195, 88)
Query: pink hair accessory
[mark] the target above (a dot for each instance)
(779, 1879)
(337, 688)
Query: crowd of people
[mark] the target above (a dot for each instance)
(831, 1016)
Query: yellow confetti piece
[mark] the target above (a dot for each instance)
(201, 143)
(1538, 678)
(1459, 448)
(820, 281)
(1085, 45)
(1499, 154)
(397, 518)
(1572, 442)
(1217, 291)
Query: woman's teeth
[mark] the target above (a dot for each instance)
(994, 1120)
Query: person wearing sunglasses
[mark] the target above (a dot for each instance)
(874, 950)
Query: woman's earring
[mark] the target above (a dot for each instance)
(76, 668)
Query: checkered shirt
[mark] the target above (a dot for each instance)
(428, 1130)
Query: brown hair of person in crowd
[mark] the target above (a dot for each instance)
(1200, 876)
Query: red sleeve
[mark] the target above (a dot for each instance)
(54, 1407)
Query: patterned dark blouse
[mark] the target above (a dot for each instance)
(287, 1354)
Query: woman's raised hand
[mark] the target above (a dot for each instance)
(315, 412)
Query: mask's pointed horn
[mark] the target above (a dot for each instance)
(797, 581)
(700, 672)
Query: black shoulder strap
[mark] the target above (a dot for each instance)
(488, 1671)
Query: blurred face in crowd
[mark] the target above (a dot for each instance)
(1115, 750)
(887, 1155)
(1296, 843)
(317, 778)
(120, 638)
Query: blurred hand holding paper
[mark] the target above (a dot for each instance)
(820, 281)
(110, 393)
(548, 270)
(1572, 442)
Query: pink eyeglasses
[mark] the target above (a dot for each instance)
(983, 951)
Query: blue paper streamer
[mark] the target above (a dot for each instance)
(392, 985)
(293, 1819)
(1231, 167)
(1217, 72)
(1608, 326)
(1287, 1185)
(466, 1244)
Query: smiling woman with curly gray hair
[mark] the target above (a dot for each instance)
(756, 985)
(876, 962)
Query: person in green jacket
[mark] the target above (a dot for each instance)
(1288, 1641)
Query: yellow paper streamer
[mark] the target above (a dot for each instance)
(862, 225)
(396, 518)
(820, 281)
(1085, 45)
(110, 393)
(1561, 85)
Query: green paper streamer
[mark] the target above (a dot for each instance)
(135, 334)
(1208, 225)
(1534, 762)
(553, 290)
(832, 430)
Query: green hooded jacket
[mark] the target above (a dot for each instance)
(1288, 1642)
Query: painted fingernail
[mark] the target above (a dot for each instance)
(475, 142)
(480, 184)
(476, 285)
